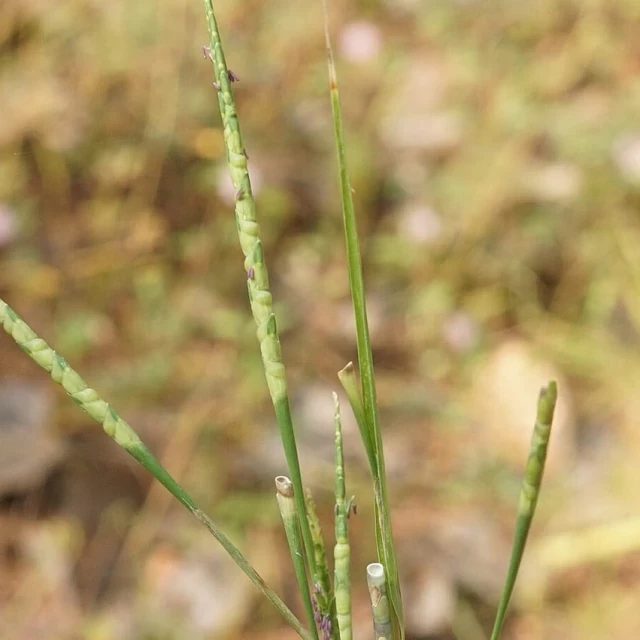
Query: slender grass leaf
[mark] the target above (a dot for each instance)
(384, 535)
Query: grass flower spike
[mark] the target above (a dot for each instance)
(528, 495)
(256, 270)
(124, 435)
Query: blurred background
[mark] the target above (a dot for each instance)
(495, 158)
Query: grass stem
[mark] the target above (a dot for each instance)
(376, 581)
(286, 504)
(342, 551)
(373, 440)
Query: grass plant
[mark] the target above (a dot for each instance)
(327, 607)
(370, 429)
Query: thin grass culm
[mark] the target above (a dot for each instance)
(256, 271)
(124, 435)
(371, 432)
(342, 551)
(287, 507)
(529, 493)
(377, 584)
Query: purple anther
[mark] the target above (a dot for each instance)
(217, 86)
(239, 193)
(251, 273)
(325, 627)
(232, 76)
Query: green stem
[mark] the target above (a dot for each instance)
(256, 270)
(384, 533)
(382, 628)
(529, 493)
(124, 435)
(286, 504)
(342, 551)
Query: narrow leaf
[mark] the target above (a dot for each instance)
(384, 535)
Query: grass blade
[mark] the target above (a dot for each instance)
(353, 391)
(124, 435)
(528, 496)
(384, 535)
(256, 270)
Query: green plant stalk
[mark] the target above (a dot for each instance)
(529, 493)
(325, 602)
(341, 551)
(286, 504)
(384, 534)
(382, 628)
(256, 270)
(124, 435)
